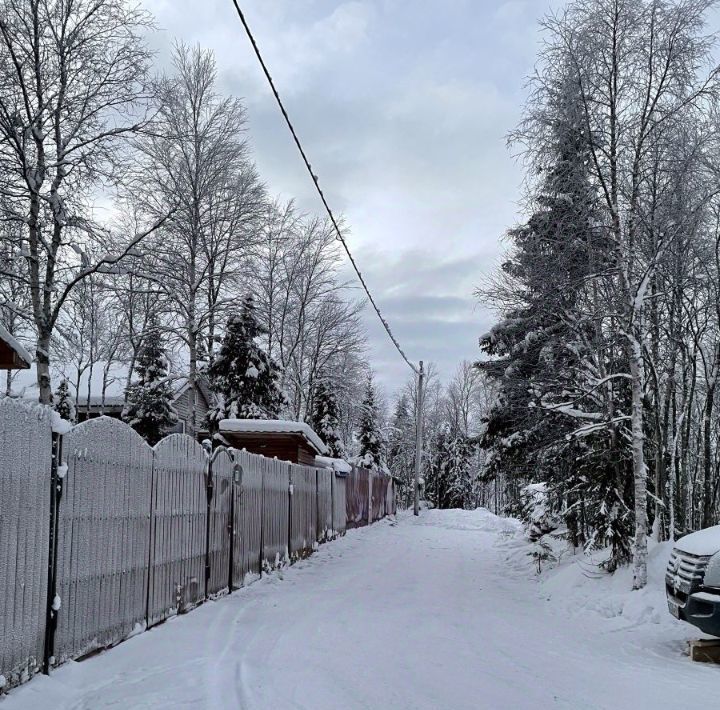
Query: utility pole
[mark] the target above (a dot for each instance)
(418, 437)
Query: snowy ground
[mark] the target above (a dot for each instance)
(438, 612)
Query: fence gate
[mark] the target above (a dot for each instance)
(179, 522)
(25, 460)
(247, 519)
(219, 525)
(103, 537)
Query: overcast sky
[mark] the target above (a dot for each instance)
(403, 107)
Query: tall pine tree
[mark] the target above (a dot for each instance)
(243, 376)
(325, 418)
(547, 352)
(401, 448)
(449, 481)
(148, 404)
(369, 434)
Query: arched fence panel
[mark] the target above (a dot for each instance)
(121, 535)
(324, 504)
(303, 510)
(25, 465)
(178, 531)
(103, 537)
(339, 505)
(275, 512)
(220, 523)
(247, 518)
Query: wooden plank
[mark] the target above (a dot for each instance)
(705, 650)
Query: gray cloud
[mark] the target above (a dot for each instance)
(403, 107)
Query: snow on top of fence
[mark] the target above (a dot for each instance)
(59, 425)
(273, 426)
(15, 345)
(339, 465)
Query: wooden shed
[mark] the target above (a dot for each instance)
(289, 441)
(13, 356)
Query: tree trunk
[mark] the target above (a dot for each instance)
(42, 357)
(639, 469)
(707, 457)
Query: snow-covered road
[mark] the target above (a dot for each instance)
(424, 614)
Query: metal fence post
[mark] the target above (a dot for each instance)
(291, 492)
(317, 505)
(209, 487)
(56, 487)
(262, 521)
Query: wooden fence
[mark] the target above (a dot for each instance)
(102, 536)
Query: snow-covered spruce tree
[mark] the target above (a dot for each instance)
(448, 482)
(369, 433)
(64, 403)
(243, 376)
(554, 420)
(148, 404)
(644, 73)
(325, 418)
(401, 448)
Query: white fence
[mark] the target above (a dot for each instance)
(102, 536)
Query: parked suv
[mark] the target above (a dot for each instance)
(692, 580)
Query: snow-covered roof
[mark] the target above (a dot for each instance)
(273, 426)
(338, 465)
(20, 358)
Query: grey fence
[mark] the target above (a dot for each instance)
(275, 547)
(219, 523)
(102, 536)
(357, 497)
(303, 510)
(24, 538)
(324, 505)
(247, 520)
(339, 505)
(179, 522)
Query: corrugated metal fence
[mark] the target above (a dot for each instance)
(24, 538)
(102, 536)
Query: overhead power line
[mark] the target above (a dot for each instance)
(314, 177)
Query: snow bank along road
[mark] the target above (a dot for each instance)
(425, 614)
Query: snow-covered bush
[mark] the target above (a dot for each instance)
(63, 402)
(536, 511)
